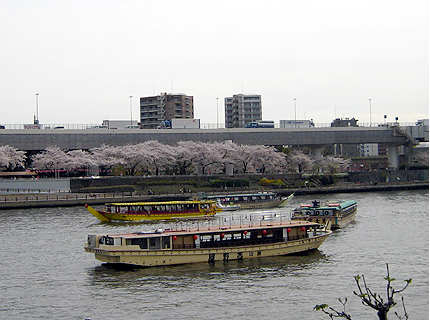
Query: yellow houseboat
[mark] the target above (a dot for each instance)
(339, 213)
(154, 210)
(207, 244)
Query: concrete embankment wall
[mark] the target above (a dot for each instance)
(291, 178)
(389, 176)
(29, 185)
(296, 179)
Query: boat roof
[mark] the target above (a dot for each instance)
(239, 195)
(215, 230)
(162, 203)
(329, 204)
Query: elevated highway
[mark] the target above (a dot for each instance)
(34, 140)
(40, 139)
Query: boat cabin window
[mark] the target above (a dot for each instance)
(108, 240)
(227, 237)
(154, 243)
(142, 242)
(166, 242)
(206, 238)
(237, 236)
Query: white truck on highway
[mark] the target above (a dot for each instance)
(177, 123)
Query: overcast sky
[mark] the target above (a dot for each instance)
(85, 58)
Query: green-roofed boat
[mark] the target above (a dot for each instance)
(340, 213)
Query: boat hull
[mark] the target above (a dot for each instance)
(199, 255)
(269, 204)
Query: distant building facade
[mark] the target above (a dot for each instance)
(369, 150)
(242, 109)
(155, 109)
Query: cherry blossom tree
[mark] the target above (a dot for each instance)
(153, 157)
(420, 160)
(268, 159)
(132, 158)
(184, 157)
(243, 157)
(332, 164)
(206, 155)
(11, 158)
(301, 160)
(160, 156)
(106, 157)
(53, 158)
(226, 151)
(79, 159)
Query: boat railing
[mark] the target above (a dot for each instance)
(182, 246)
(240, 220)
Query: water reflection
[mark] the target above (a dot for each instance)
(104, 274)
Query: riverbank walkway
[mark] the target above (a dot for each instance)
(58, 199)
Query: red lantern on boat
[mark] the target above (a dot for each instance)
(196, 237)
(288, 230)
(245, 232)
(174, 237)
(303, 228)
(222, 235)
(264, 232)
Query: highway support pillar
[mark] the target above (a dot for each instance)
(393, 157)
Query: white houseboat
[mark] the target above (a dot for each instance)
(207, 244)
(249, 201)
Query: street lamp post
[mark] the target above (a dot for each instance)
(37, 109)
(131, 110)
(370, 111)
(217, 112)
(295, 117)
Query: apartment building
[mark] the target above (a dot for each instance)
(242, 109)
(155, 109)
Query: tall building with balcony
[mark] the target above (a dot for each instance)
(242, 109)
(155, 109)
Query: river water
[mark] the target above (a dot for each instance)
(45, 273)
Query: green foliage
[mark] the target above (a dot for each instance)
(264, 182)
(271, 182)
(341, 175)
(327, 180)
(166, 182)
(219, 183)
(320, 307)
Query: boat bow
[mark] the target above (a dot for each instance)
(97, 214)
